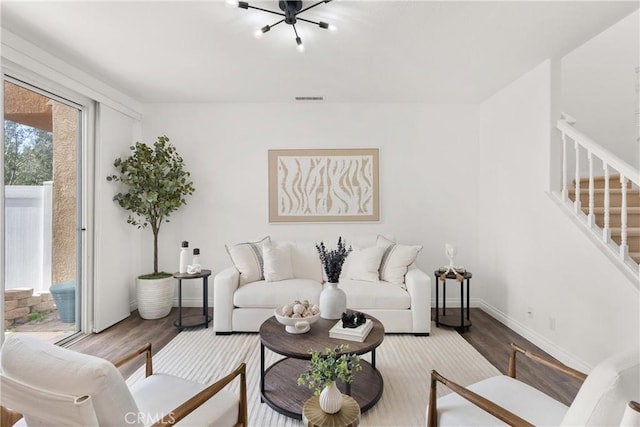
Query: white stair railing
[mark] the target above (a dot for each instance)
(585, 147)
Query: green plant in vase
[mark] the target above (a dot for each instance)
(329, 366)
(322, 372)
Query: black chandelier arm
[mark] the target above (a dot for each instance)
(309, 7)
(279, 22)
(248, 6)
(307, 20)
(295, 30)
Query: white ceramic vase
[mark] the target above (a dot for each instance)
(333, 301)
(155, 297)
(330, 399)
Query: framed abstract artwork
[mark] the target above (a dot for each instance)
(323, 185)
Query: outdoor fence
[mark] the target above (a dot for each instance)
(28, 236)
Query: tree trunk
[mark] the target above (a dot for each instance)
(155, 250)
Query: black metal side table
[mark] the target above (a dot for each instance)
(205, 318)
(457, 321)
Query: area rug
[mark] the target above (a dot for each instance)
(405, 362)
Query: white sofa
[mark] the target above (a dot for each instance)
(246, 294)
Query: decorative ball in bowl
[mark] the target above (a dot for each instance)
(298, 316)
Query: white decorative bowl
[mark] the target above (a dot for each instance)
(295, 325)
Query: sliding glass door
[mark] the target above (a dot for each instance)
(42, 212)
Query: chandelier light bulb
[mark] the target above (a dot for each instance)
(299, 43)
(261, 31)
(231, 3)
(327, 26)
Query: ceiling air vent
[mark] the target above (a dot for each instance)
(309, 98)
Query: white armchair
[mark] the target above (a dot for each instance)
(606, 397)
(50, 385)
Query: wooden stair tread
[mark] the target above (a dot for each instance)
(631, 210)
(630, 192)
(631, 231)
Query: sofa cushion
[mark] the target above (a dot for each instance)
(155, 401)
(364, 264)
(247, 258)
(513, 395)
(396, 260)
(272, 294)
(364, 295)
(277, 262)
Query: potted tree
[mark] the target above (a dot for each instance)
(156, 185)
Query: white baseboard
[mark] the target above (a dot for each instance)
(537, 339)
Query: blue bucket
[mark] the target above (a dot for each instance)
(64, 295)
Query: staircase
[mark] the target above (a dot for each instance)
(615, 210)
(602, 193)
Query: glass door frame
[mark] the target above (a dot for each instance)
(85, 195)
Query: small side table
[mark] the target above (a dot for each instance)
(204, 275)
(457, 321)
(347, 416)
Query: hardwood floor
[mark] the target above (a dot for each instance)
(490, 337)
(130, 334)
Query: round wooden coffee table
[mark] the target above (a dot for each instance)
(279, 382)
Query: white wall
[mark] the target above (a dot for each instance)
(530, 254)
(599, 88)
(428, 170)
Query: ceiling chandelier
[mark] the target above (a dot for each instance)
(291, 10)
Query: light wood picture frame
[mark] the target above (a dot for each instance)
(324, 185)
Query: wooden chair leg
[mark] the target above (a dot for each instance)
(432, 417)
(8, 417)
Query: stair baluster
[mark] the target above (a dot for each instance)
(576, 204)
(624, 247)
(565, 192)
(591, 219)
(606, 230)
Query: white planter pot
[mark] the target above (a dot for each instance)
(330, 399)
(155, 297)
(333, 301)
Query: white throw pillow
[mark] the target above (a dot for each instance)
(364, 264)
(396, 260)
(247, 258)
(277, 262)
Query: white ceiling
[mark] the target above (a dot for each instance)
(383, 51)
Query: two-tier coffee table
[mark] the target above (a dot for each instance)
(279, 382)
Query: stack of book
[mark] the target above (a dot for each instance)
(358, 334)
